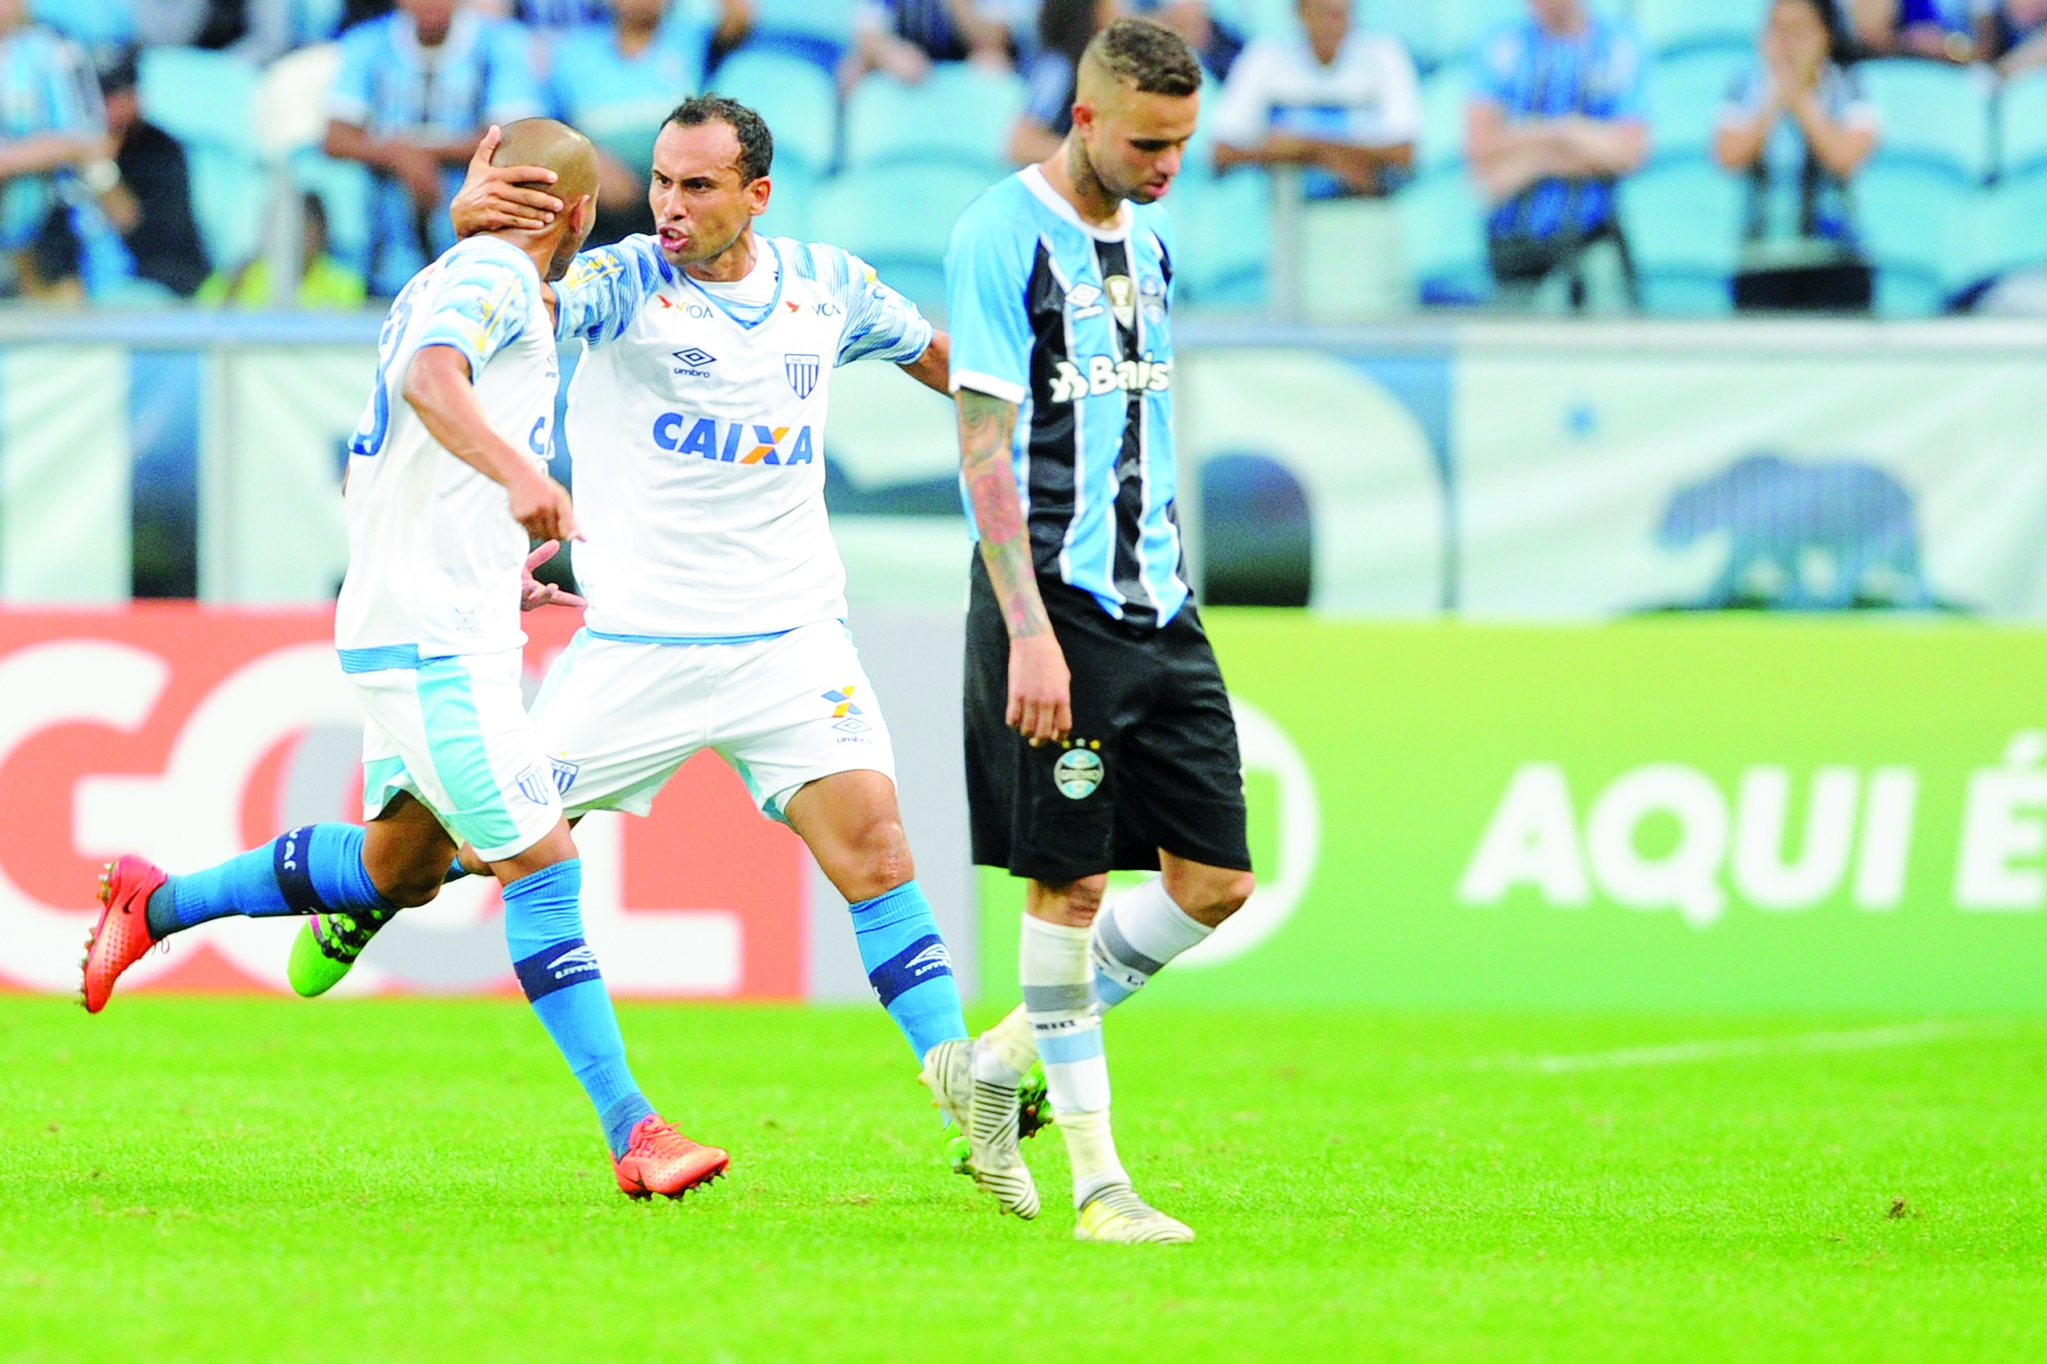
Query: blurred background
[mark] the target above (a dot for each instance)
(1641, 397)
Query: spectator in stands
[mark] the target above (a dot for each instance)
(256, 29)
(1957, 31)
(1215, 42)
(55, 162)
(904, 37)
(1064, 29)
(617, 82)
(151, 207)
(324, 280)
(415, 91)
(1799, 128)
(1557, 118)
(1333, 98)
(2018, 36)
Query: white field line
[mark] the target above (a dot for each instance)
(1727, 1048)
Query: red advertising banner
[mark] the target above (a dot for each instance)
(188, 734)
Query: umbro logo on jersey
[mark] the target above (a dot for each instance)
(1085, 300)
(693, 361)
(734, 442)
(575, 961)
(1105, 374)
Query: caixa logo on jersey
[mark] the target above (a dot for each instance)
(1106, 374)
(734, 442)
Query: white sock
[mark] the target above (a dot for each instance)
(1052, 965)
(1005, 1053)
(1134, 936)
(1092, 1153)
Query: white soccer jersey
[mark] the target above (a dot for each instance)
(697, 429)
(434, 556)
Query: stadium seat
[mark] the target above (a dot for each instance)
(1444, 97)
(2022, 125)
(207, 101)
(957, 114)
(789, 207)
(1677, 27)
(1444, 223)
(798, 99)
(92, 23)
(1222, 227)
(1683, 222)
(2009, 218)
(1933, 115)
(898, 218)
(1918, 226)
(816, 31)
(1686, 93)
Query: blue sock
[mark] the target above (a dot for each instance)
(909, 967)
(558, 972)
(307, 871)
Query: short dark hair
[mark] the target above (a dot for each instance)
(1147, 55)
(756, 143)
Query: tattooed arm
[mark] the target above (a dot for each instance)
(1040, 689)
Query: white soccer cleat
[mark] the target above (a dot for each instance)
(1116, 1214)
(987, 1113)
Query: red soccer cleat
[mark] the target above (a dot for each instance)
(121, 936)
(660, 1160)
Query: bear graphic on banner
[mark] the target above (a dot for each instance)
(1831, 535)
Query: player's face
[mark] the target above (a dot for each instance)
(702, 204)
(1136, 141)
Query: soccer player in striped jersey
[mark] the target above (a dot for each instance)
(456, 435)
(716, 596)
(1099, 734)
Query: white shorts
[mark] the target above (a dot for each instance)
(617, 717)
(454, 733)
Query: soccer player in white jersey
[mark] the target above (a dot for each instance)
(716, 596)
(446, 479)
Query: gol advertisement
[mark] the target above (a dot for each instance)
(1682, 812)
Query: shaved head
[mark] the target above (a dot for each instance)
(557, 147)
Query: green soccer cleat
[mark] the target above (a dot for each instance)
(1033, 1106)
(987, 1116)
(327, 947)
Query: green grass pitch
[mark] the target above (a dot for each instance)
(228, 1179)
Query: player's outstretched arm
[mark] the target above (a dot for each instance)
(438, 388)
(1040, 687)
(933, 368)
(493, 198)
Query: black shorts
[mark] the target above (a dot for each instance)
(1151, 764)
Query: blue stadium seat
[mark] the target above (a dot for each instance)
(1686, 93)
(1445, 96)
(1933, 115)
(799, 101)
(1444, 223)
(958, 114)
(2022, 125)
(1463, 24)
(2010, 222)
(1222, 227)
(94, 23)
(817, 31)
(1674, 27)
(789, 206)
(898, 218)
(1683, 222)
(1919, 227)
(206, 101)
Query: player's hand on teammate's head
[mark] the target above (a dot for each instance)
(542, 506)
(534, 594)
(1040, 689)
(497, 197)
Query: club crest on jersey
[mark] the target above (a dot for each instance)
(802, 371)
(734, 442)
(693, 361)
(564, 773)
(1122, 299)
(537, 784)
(1106, 374)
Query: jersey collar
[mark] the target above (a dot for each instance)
(1034, 181)
(781, 277)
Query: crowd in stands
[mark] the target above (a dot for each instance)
(1546, 155)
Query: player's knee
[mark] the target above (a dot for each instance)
(1231, 893)
(877, 859)
(410, 888)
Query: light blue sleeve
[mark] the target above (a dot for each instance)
(74, 93)
(604, 289)
(987, 271)
(513, 91)
(480, 304)
(1493, 65)
(349, 98)
(880, 323)
(1630, 76)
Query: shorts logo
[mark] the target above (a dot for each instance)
(1078, 773)
(802, 371)
(564, 773)
(844, 711)
(575, 961)
(536, 783)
